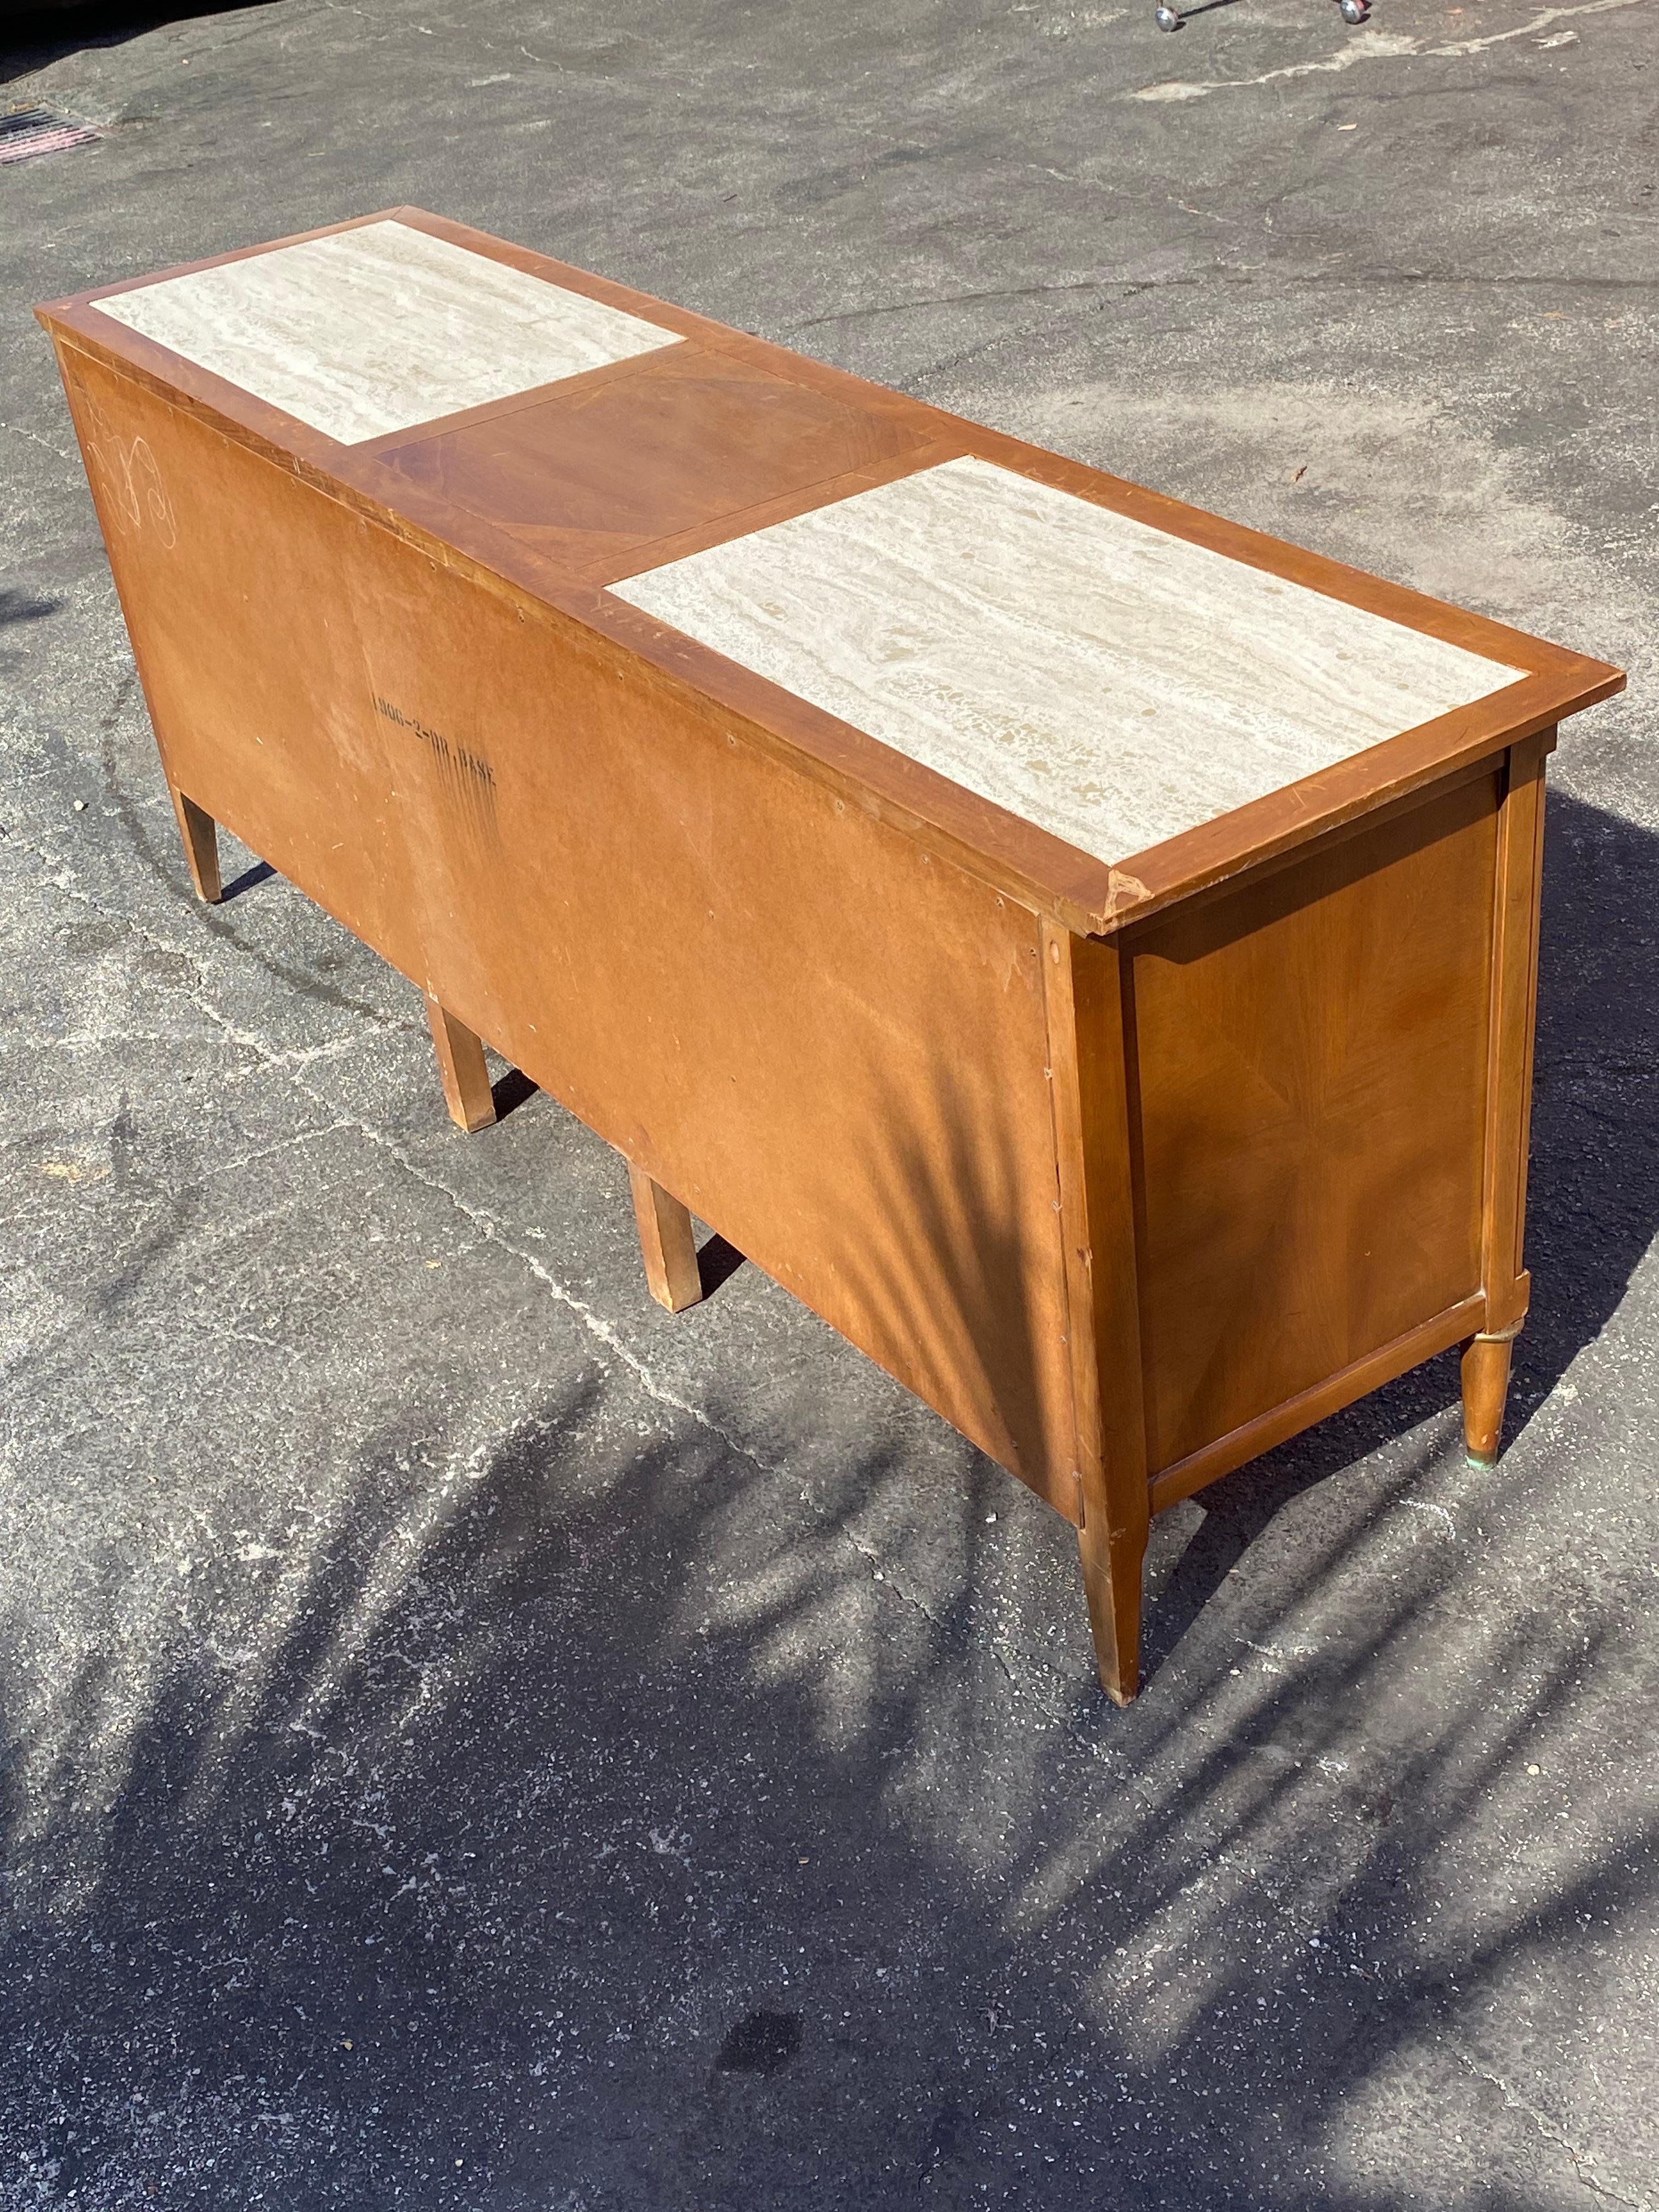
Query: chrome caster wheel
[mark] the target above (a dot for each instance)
(1167, 19)
(1353, 11)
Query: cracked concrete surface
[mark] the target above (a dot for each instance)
(1581, 2159)
(441, 1697)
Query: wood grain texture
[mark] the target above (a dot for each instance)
(1329, 1395)
(1096, 677)
(1310, 1114)
(369, 329)
(657, 448)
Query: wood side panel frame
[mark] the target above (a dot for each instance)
(1092, 1035)
(1516, 934)
(1280, 1423)
(1088, 1066)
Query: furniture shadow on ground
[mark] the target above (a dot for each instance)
(463, 1874)
(249, 880)
(511, 1091)
(717, 1262)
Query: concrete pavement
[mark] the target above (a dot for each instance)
(469, 1740)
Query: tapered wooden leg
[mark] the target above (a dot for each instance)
(1112, 1565)
(461, 1064)
(201, 834)
(667, 1243)
(1485, 1387)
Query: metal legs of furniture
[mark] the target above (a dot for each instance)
(1169, 19)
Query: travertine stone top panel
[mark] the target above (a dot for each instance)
(1108, 682)
(380, 328)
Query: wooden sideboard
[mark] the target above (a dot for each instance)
(1083, 949)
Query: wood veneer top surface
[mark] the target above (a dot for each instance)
(1102, 698)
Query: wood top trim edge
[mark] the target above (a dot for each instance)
(1085, 893)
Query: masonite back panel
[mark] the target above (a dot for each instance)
(829, 1041)
(1311, 1064)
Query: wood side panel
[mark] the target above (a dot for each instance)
(812, 1027)
(1310, 1101)
(240, 631)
